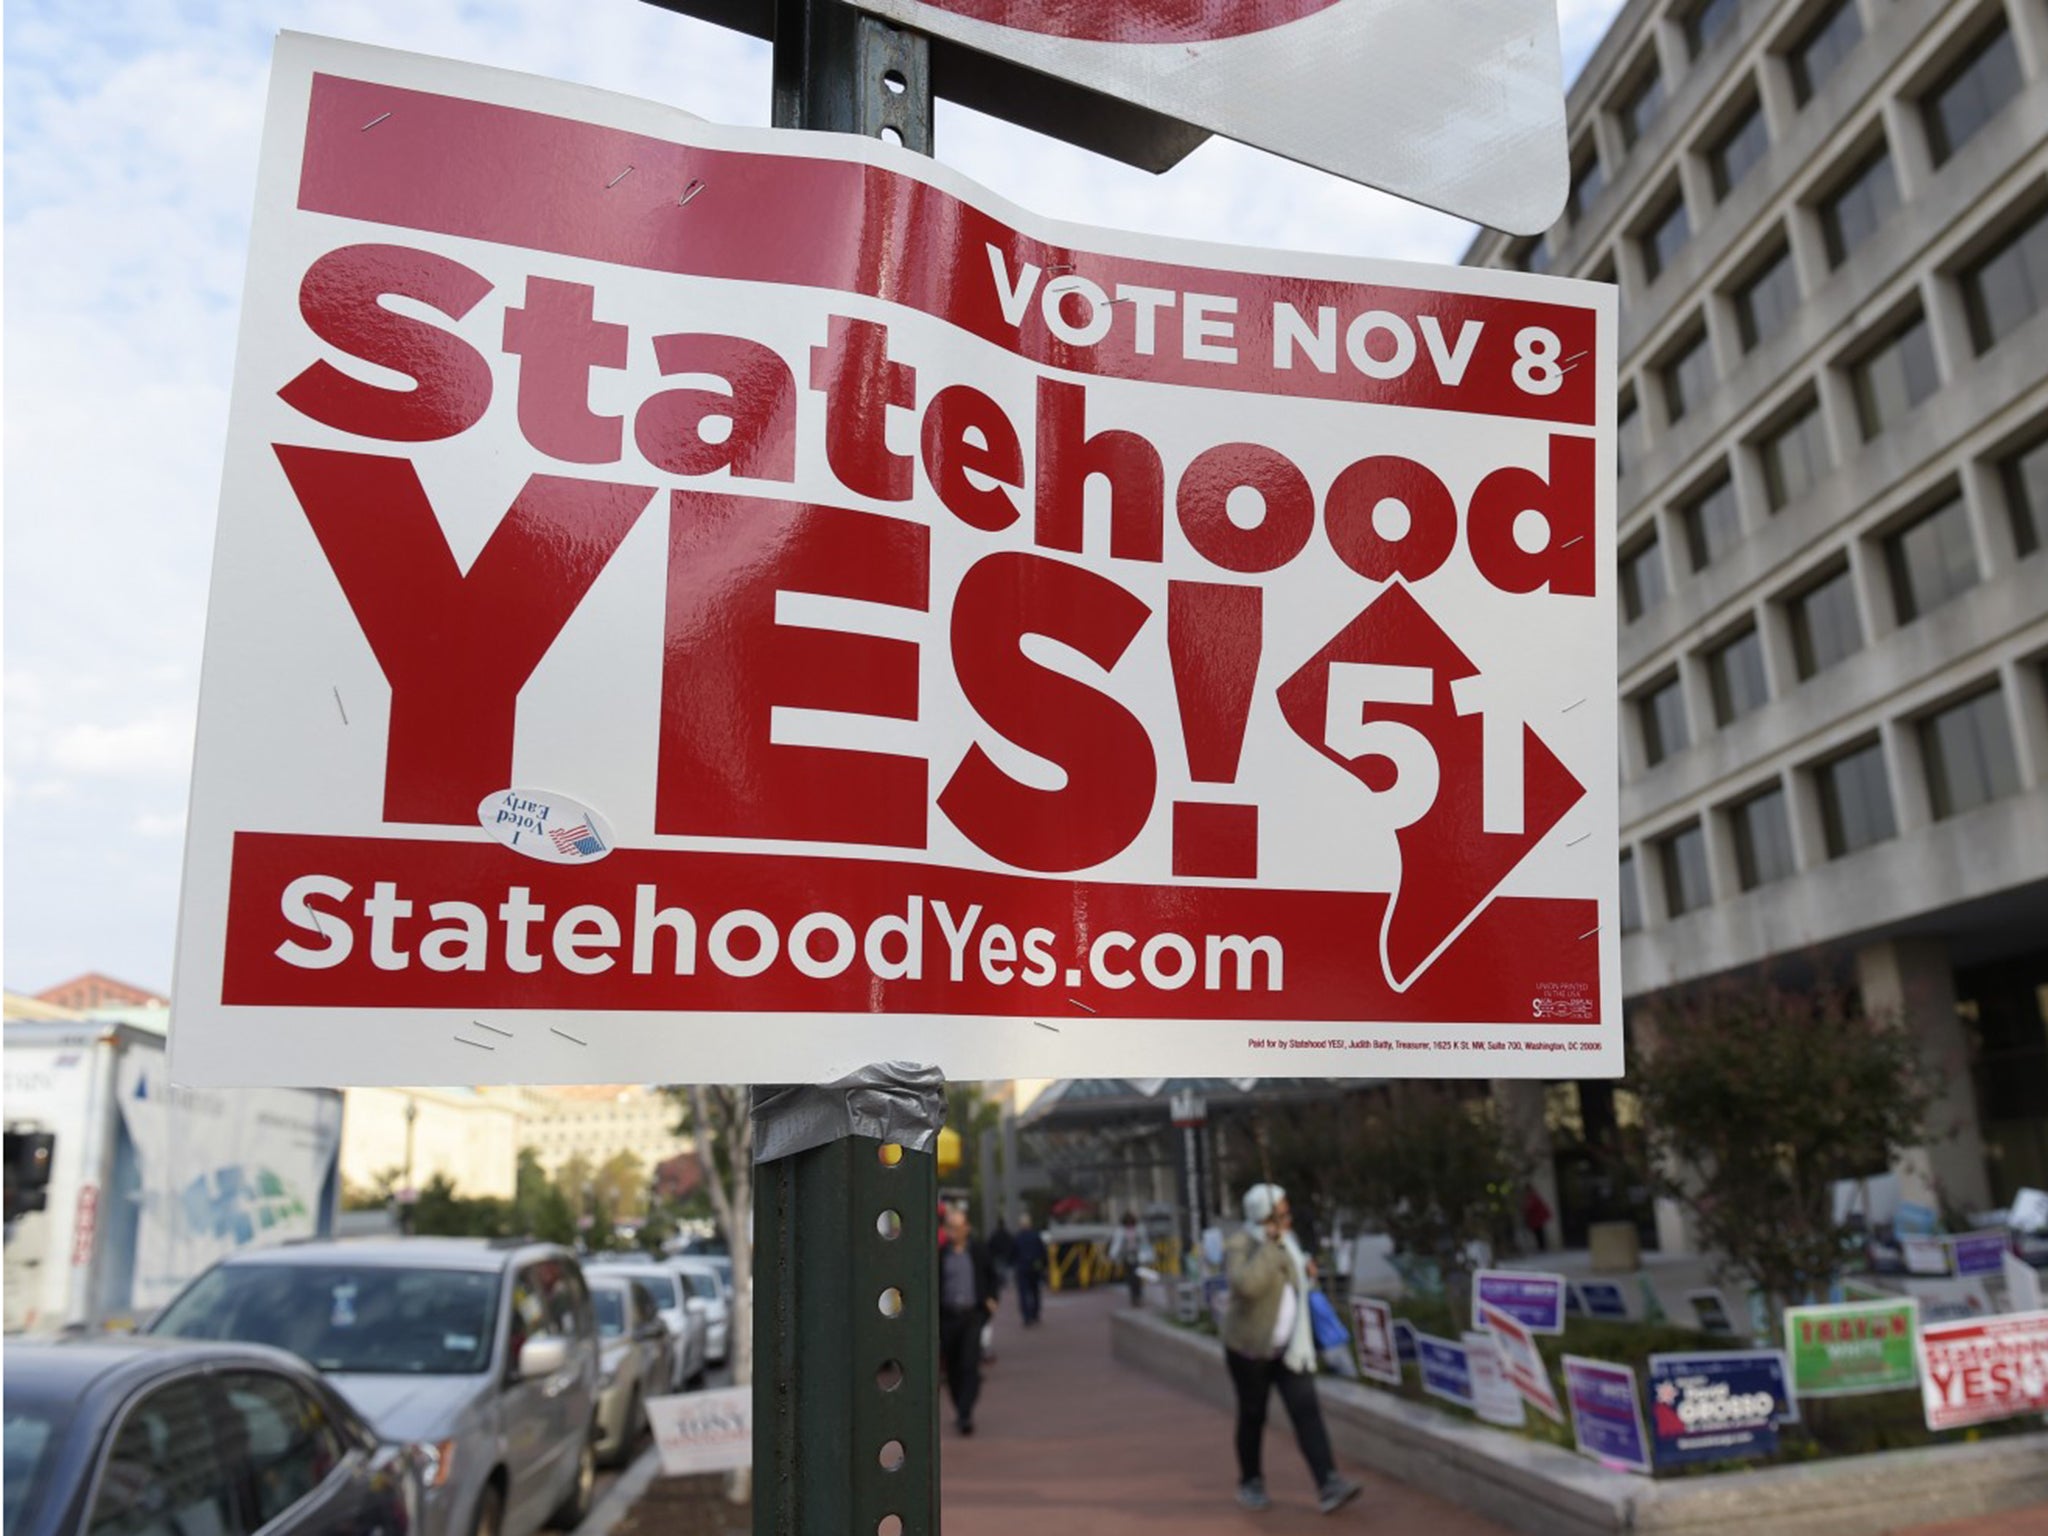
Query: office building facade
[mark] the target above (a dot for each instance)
(1828, 220)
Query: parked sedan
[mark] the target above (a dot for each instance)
(687, 1325)
(141, 1436)
(636, 1361)
(482, 1353)
(707, 1290)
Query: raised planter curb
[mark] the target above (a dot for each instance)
(1548, 1491)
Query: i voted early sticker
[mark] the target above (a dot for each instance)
(543, 825)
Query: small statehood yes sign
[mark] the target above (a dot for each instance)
(961, 636)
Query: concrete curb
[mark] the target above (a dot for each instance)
(623, 1494)
(1547, 1491)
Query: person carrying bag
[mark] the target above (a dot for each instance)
(1269, 1342)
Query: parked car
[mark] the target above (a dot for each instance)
(126, 1435)
(485, 1354)
(706, 1287)
(687, 1326)
(636, 1361)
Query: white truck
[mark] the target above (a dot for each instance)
(122, 1187)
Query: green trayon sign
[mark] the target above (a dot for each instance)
(1859, 1346)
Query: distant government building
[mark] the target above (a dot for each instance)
(1829, 223)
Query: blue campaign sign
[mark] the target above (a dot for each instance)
(1607, 1415)
(1718, 1407)
(1603, 1298)
(1446, 1369)
(1536, 1301)
(1404, 1340)
(1980, 1253)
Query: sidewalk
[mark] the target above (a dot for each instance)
(1064, 1432)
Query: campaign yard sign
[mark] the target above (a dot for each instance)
(1710, 1310)
(2022, 1285)
(735, 605)
(1521, 1362)
(1719, 1406)
(1404, 1341)
(1980, 1253)
(703, 1431)
(1607, 1413)
(1984, 1369)
(1603, 1299)
(1494, 1397)
(1534, 1300)
(1446, 1369)
(1379, 1356)
(1858, 1346)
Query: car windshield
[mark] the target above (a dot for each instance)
(33, 1432)
(701, 1284)
(660, 1287)
(610, 1306)
(344, 1317)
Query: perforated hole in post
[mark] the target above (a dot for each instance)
(894, 83)
(891, 135)
(892, 1456)
(889, 1525)
(889, 1226)
(890, 1302)
(889, 1375)
(889, 1154)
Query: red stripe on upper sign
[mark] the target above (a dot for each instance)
(1325, 944)
(518, 178)
(1137, 21)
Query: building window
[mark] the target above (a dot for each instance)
(1855, 800)
(1794, 456)
(1762, 833)
(1765, 301)
(1628, 429)
(1824, 624)
(1968, 752)
(1931, 560)
(1664, 235)
(1713, 524)
(1730, 157)
(1687, 377)
(1822, 47)
(1895, 376)
(1640, 104)
(1642, 578)
(2025, 475)
(1706, 21)
(1588, 180)
(1662, 713)
(1631, 895)
(2009, 285)
(1853, 212)
(1971, 93)
(1735, 669)
(1687, 886)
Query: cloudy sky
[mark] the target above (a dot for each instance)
(131, 139)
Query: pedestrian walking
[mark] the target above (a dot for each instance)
(1028, 1263)
(1268, 1344)
(1536, 1216)
(1133, 1250)
(967, 1299)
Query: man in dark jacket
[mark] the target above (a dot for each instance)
(968, 1286)
(1028, 1261)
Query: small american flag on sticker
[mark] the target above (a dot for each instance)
(578, 839)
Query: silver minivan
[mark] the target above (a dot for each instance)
(482, 1353)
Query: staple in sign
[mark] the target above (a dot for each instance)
(618, 178)
(373, 122)
(480, 1024)
(465, 1040)
(339, 705)
(572, 1039)
(689, 192)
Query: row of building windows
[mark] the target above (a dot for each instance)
(1954, 105)
(1927, 559)
(1889, 373)
(1965, 750)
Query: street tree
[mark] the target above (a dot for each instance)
(720, 1120)
(1756, 1101)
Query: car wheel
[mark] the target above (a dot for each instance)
(490, 1512)
(577, 1504)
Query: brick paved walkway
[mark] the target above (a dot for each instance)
(1067, 1439)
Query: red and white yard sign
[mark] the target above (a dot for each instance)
(896, 626)
(1974, 1371)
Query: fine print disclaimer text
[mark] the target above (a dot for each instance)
(1376, 1043)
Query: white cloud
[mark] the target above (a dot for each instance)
(158, 745)
(153, 825)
